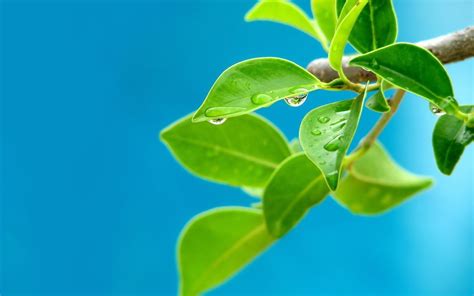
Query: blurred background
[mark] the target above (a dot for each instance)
(92, 203)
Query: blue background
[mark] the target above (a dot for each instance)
(92, 202)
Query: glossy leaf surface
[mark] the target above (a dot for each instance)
(450, 137)
(376, 26)
(326, 134)
(348, 17)
(295, 186)
(216, 244)
(324, 12)
(253, 84)
(244, 151)
(376, 184)
(295, 146)
(414, 69)
(378, 101)
(287, 13)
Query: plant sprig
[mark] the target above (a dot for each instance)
(242, 149)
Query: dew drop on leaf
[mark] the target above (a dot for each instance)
(296, 101)
(332, 178)
(323, 119)
(341, 120)
(339, 127)
(436, 110)
(217, 121)
(261, 99)
(299, 99)
(316, 132)
(333, 145)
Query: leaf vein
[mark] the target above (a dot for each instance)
(231, 152)
(239, 243)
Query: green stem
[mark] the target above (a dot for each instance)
(461, 115)
(372, 136)
(350, 85)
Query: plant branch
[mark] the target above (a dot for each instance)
(383, 121)
(449, 48)
(376, 130)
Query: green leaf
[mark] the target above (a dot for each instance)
(450, 137)
(414, 69)
(349, 14)
(326, 134)
(376, 184)
(287, 13)
(253, 191)
(376, 26)
(295, 186)
(343, 7)
(244, 151)
(295, 146)
(253, 84)
(218, 243)
(378, 102)
(324, 12)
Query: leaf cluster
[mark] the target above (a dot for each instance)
(225, 142)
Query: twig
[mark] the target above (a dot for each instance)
(383, 121)
(449, 48)
(376, 130)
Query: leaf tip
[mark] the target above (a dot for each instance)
(198, 117)
(275, 229)
(332, 181)
(249, 16)
(446, 170)
(162, 135)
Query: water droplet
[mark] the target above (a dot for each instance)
(299, 99)
(221, 111)
(340, 120)
(333, 145)
(374, 64)
(296, 101)
(436, 110)
(316, 132)
(322, 162)
(261, 99)
(332, 179)
(323, 119)
(339, 127)
(217, 121)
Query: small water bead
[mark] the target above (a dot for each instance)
(296, 101)
(334, 144)
(316, 132)
(332, 179)
(339, 127)
(323, 119)
(340, 120)
(299, 99)
(261, 99)
(217, 121)
(436, 110)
